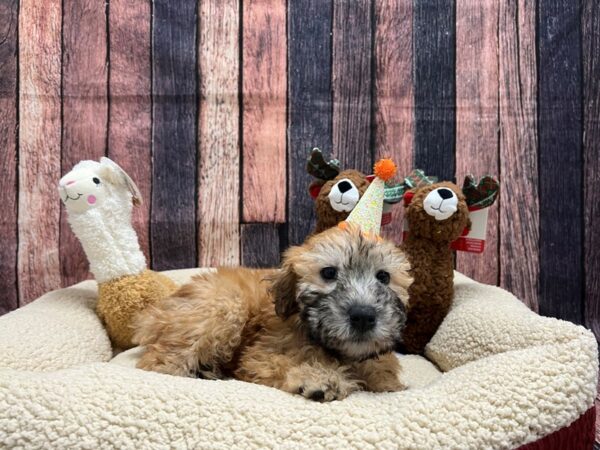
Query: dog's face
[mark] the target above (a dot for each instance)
(350, 291)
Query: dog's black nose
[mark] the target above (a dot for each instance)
(445, 193)
(362, 317)
(344, 186)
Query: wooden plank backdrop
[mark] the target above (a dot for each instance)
(213, 106)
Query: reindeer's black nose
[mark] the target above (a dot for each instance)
(362, 317)
(445, 193)
(344, 186)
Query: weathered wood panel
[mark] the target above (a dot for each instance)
(130, 115)
(84, 109)
(264, 105)
(219, 140)
(309, 116)
(434, 72)
(260, 245)
(39, 147)
(174, 72)
(9, 19)
(393, 96)
(560, 159)
(351, 84)
(518, 207)
(591, 149)
(477, 117)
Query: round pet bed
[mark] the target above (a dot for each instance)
(496, 376)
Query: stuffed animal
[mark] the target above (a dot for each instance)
(99, 197)
(337, 192)
(437, 214)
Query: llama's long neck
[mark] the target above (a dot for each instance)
(109, 241)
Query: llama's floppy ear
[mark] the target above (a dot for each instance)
(124, 179)
(283, 289)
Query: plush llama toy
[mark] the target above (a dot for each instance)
(99, 197)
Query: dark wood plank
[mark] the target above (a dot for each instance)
(519, 204)
(351, 83)
(9, 18)
(39, 147)
(393, 96)
(591, 149)
(477, 117)
(309, 119)
(174, 68)
(85, 110)
(434, 65)
(560, 159)
(129, 126)
(260, 245)
(219, 140)
(264, 106)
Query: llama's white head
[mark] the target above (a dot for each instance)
(90, 184)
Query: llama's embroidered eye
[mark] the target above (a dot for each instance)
(329, 273)
(96, 180)
(383, 277)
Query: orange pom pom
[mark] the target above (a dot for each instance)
(385, 169)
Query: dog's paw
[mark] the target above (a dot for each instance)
(320, 384)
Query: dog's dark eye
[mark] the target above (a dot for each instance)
(96, 180)
(383, 276)
(329, 273)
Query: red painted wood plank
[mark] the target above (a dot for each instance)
(9, 16)
(85, 106)
(394, 96)
(477, 117)
(351, 83)
(519, 204)
(130, 115)
(591, 153)
(39, 147)
(218, 134)
(264, 110)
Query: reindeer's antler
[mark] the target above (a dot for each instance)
(318, 168)
(481, 194)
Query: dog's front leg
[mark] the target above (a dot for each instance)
(380, 374)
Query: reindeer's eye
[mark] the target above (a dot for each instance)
(383, 276)
(96, 180)
(329, 273)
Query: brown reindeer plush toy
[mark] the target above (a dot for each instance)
(436, 214)
(337, 192)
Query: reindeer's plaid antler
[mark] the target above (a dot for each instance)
(481, 194)
(319, 168)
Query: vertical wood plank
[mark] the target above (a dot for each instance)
(85, 110)
(9, 17)
(260, 245)
(264, 105)
(174, 71)
(351, 83)
(309, 115)
(434, 71)
(129, 126)
(519, 204)
(39, 147)
(591, 148)
(477, 117)
(560, 159)
(219, 146)
(393, 96)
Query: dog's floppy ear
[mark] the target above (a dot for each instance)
(283, 289)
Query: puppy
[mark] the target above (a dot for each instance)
(323, 326)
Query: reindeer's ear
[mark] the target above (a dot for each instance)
(315, 188)
(124, 179)
(283, 291)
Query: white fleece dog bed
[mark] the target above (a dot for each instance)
(509, 378)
